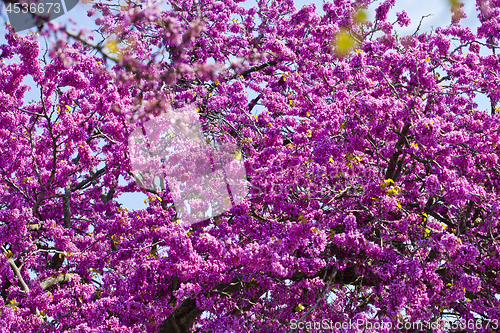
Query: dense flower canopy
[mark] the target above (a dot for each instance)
(374, 175)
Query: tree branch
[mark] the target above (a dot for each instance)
(391, 167)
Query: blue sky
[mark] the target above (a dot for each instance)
(440, 10)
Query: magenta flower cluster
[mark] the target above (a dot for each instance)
(374, 178)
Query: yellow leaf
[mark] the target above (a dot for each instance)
(299, 307)
(237, 154)
(308, 114)
(360, 16)
(344, 42)
(427, 59)
(393, 191)
(308, 133)
(227, 201)
(112, 45)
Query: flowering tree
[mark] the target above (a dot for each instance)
(374, 177)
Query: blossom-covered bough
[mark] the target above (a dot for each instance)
(374, 176)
